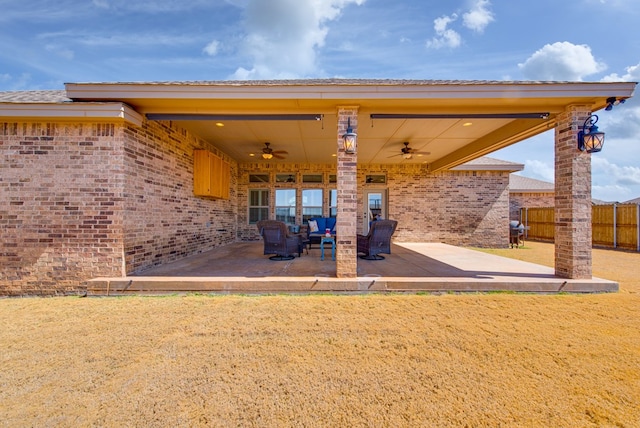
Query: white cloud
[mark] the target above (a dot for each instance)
(62, 52)
(632, 75)
(539, 170)
(478, 17)
(612, 182)
(212, 48)
(102, 4)
(561, 61)
(446, 37)
(284, 35)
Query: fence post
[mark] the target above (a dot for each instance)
(615, 225)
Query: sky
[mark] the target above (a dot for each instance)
(45, 43)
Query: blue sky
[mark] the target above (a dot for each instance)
(44, 43)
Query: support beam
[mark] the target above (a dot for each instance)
(347, 218)
(572, 197)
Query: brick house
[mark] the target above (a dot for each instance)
(102, 179)
(526, 192)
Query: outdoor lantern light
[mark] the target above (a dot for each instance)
(349, 139)
(590, 139)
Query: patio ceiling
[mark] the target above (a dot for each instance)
(468, 123)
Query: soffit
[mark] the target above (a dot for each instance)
(447, 141)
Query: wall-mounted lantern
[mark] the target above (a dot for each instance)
(590, 139)
(349, 139)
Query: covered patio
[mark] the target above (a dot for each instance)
(176, 175)
(411, 267)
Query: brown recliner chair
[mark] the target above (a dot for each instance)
(278, 240)
(378, 240)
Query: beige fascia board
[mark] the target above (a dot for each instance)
(407, 90)
(72, 111)
(512, 133)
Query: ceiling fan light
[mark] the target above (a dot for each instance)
(267, 156)
(407, 155)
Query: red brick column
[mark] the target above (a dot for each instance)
(572, 197)
(347, 218)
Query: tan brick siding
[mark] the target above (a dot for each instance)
(61, 222)
(83, 200)
(79, 201)
(163, 220)
(573, 234)
(458, 208)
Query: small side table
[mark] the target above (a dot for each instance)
(328, 240)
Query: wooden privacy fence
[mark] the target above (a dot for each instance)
(615, 225)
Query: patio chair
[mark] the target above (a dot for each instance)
(378, 240)
(278, 240)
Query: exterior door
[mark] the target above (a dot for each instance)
(375, 207)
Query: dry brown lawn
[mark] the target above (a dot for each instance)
(328, 360)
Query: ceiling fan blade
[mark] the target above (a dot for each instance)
(393, 156)
(277, 156)
(280, 152)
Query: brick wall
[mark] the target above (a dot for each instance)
(528, 200)
(59, 214)
(83, 200)
(163, 220)
(458, 208)
(79, 201)
(572, 213)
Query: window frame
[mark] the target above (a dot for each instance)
(260, 207)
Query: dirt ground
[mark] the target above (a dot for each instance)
(474, 360)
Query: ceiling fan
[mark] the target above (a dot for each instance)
(268, 152)
(408, 152)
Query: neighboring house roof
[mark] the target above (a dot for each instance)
(600, 202)
(520, 184)
(486, 163)
(632, 201)
(41, 97)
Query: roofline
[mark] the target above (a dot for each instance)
(349, 89)
(75, 111)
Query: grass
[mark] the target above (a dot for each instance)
(498, 359)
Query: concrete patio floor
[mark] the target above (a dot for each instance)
(411, 267)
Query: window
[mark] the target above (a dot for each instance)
(258, 205)
(311, 204)
(312, 178)
(258, 178)
(285, 178)
(286, 205)
(333, 203)
(376, 179)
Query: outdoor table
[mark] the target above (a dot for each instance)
(329, 240)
